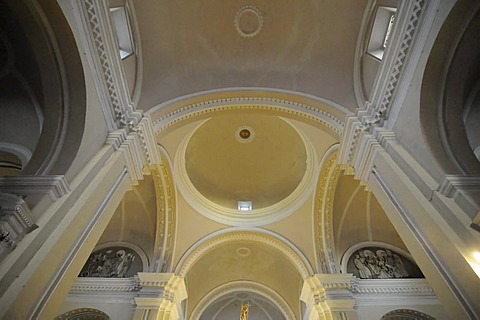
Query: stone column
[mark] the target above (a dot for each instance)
(160, 297)
(329, 297)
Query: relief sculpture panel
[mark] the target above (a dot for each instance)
(381, 263)
(112, 262)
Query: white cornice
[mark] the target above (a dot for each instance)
(104, 285)
(55, 186)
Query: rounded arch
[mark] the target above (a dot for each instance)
(288, 104)
(449, 88)
(323, 210)
(49, 89)
(242, 286)
(264, 237)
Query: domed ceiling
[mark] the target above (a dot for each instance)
(245, 157)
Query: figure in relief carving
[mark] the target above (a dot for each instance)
(363, 271)
(378, 264)
(109, 263)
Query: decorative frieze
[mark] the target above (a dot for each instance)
(412, 23)
(392, 287)
(102, 54)
(250, 103)
(325, 193)
(166, 215)
(105, 285)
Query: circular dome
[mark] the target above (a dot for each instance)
(220, 170)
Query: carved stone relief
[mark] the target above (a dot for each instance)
(112, 262)
(381, 263)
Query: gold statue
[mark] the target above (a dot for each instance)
(244, 311)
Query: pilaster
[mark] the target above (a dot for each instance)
(329, 297)
(160, 297)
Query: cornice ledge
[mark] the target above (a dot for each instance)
(105, 285)
(56, 185)
(393, 287)
(452, 185)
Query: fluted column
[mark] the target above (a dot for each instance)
(329, 297)
(160, 297)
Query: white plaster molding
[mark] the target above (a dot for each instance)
(115, 138)
(261, 236)
(419, 34)
(453, 185)
(255, 217)
(395, 287)
(102, 54)
(464, 190)
(131, 150)
(55, 186)
(285, 107)
(374, 292)
(347, 144)
(84, 285)
(327, 293)
(323, 206)
(166, 214)
(360, 51)
(162, 292)
(412, 24)
(238, 23)
(145, 131)
(237, 286)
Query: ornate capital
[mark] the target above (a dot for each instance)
(16, 220)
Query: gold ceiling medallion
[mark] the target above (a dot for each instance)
(248, 22)
(245, 134)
